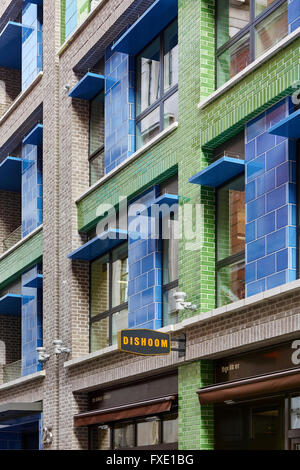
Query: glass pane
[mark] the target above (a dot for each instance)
(231, 219)
(232, 16)
(171, 56)
(100, 334)
(231, 283)
(120, 275)
(171, 110)
(295, 413)
(148, 432)
(96, 167)
(261, 5)
(170, 429)
(119, 322)
(233, 60)
(97, 123)
(123, 436)
(99, 285)
(271, 30)
(170, 255)
(148, 76)
(170, 314)
(147, 128)
(265, 429)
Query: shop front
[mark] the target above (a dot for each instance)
(140, 415)
(256, 399)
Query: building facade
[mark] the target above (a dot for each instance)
(149, 147)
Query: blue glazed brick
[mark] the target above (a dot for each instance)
(250, 232)
(295, 25)
(276, 198)
(255, 250)
(255, 209)
(276, 156)
(256, 127)
(292, 275)
(147, 263)
(255, 287)
(151, 278)
(283, 174)
(250, 151)
(266, 224)
(265, 266)
(250, 272)
(293, 10)
(293, 258)
(250, 191)
(264, 142)
(141, 283)
(282, 259)
(255, 168)
(292, 196)
(292, 236)
(276, 280)
(276, 241)
(282, 217)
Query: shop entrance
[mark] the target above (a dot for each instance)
(257, 425)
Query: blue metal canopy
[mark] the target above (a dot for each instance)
(99, 245)
(36, 282)
(11, 44)
(288, 127)
(36, 2)
(35, 137)
(219, 172)
(11, 304)
(88, 87)
(149, 25)
(166, 200)
(11, 174)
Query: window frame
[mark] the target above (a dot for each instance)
(159, 103)
(249, 29)
(236, 257)
(111, 310)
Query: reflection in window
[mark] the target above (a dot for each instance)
(157, 78)
(230, 241)
(295, 412)
(271, 30)
(109, 297)
(96, 138)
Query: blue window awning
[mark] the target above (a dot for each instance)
(35, 137)
(36, 282)
(99, 245)
(88, 87)
(149, 25)
(219, 172)
(11, 44)
(37, 2)
(288, 127)
(164, 200)
(11, 174)
(11, 304)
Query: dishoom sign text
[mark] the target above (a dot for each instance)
(144, 342)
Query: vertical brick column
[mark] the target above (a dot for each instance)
(119, 108)
(145, 275)
(270, 193)
(32, 43)
(195, 422)
(32, 336)
(294, 15)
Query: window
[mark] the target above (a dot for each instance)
(170, 258)
(96, 138)
(230, 253)
(245, 30)
(157, 79)
(109, 297)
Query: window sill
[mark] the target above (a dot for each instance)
(129, 160)
(250, 68)
(20, 98)
(23, 380)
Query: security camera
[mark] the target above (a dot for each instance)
(67, 87)
(180, 302)
(42, 356)
(58, 347)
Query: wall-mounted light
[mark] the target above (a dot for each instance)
(42, 356)
(180, 302)
(59, 348)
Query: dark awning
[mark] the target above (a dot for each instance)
(11, 411)
(287, 380)
(133, 410)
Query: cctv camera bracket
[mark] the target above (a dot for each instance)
(182, 345)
